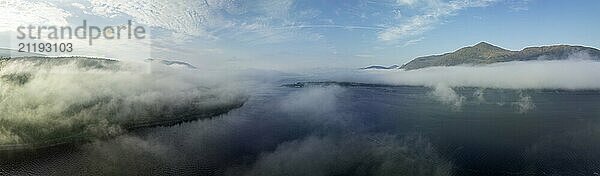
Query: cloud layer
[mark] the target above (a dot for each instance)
(566, 74)
(15, 13)
(58, 99)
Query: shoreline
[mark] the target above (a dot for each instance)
(79, 138)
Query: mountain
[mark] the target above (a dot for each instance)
(172, 63)
(380, 67)
(485, 53)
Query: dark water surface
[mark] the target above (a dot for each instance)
(354, 130)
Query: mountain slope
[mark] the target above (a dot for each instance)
(485, 53)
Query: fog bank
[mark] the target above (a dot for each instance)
(567, 74)
(54, 100)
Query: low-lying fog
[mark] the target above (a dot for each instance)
(279, 131)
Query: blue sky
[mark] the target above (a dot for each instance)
(295, 34)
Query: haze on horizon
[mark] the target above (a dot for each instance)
(294, 34)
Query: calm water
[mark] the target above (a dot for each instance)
(355, 130)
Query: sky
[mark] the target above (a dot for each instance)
(300, 34)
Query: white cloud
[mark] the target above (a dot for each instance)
(14, 13)
(406, 2)
(276, 9)
(78, 5)
(413, 41)
(241, 22)
(172, 22)
(435, 11)
(211, 19)
(185, 17)
(519, 5)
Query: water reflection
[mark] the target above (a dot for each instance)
(356, 130)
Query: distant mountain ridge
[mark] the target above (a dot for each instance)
(380, 67)
(485, 53)
(172, 63)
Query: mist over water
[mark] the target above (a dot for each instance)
(431, 127)
(573, 74)
(54, 100)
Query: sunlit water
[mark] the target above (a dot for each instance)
(355, 130)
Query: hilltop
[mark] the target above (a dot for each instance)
(485, 53)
